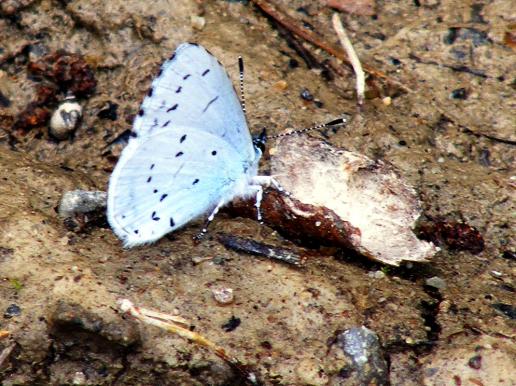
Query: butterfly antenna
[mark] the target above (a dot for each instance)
(335, 122)
(241, 81)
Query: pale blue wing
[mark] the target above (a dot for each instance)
(168, 178)
(192, 89)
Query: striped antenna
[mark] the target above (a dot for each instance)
(335, 122)
(241, 78)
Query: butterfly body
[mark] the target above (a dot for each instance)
(191, 152)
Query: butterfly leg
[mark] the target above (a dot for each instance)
(270, 181)
(258, 203)
(199, 236)
(258, 182)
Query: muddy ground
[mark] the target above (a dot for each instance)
(451, 133)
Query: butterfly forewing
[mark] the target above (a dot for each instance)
(192, 89)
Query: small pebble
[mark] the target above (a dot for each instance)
(475, 362)
(197, 22)
(11, 311)
(81, 201)
(436, 282)
(281, 85)
(387, 101)
(362, 346)
(223, 295)
(219, 260)
(65, 118)
(79, 378)
(306, 95)
(376, 274)
(459, 93)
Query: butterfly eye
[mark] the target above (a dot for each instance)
(260, 140)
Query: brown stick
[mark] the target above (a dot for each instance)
(310, 36)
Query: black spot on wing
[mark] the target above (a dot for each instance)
(214, 152)
(152, 166)
(150, 92)
(136, 231)
(186, 76)
(179, 154)
(205, 72)
(163, 196)
(155, 191)
(182, 139)
(165, 124)
(209, 103)
(178, 90)
(172, 223)
(149, 179)
(155, 123)
(172, 108)
(154, 217)
(195, 181)
(172, 56)
(141, 112)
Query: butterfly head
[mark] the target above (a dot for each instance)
(260, 140)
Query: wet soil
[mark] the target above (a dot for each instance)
(451, 135)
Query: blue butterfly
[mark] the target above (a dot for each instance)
(190, 153)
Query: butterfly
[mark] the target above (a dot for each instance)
(190, 151)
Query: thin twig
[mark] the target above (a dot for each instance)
(252, 247)
(169, 323)
(353, 57)
(5, 353)
(292, 25)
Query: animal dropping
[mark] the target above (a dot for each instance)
(342, 198)
(190, 152)
(348, 199)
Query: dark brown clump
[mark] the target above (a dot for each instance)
(69, 72)
(455, 235)
(36, 114)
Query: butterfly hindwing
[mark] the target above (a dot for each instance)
(167, 179)
(192, 89)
